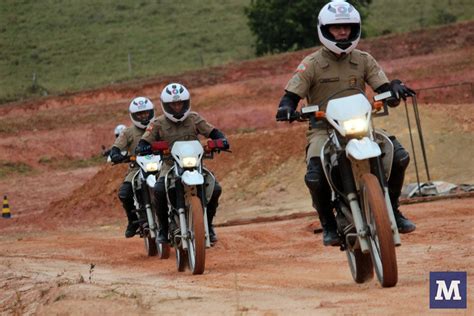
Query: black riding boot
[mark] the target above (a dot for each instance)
(132, 226)
(320, 194)
(211, 212)
(401, 159)
(125, 195)
(162, 210)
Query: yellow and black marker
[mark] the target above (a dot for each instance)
(6, 208)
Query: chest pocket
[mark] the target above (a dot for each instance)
(179, 132)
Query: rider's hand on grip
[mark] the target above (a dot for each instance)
(220, 144)
(115, 155)
(400, 90)
(285, 113)
(143, 148)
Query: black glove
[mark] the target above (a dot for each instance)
(225, 144)
(143, 148)
(115, 155)
(285, 113)
(400, 90)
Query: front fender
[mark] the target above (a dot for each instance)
(361, 149)
(192, 177)
(151, 180)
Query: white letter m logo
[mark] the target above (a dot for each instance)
(448, 293)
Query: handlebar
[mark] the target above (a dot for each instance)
(312, 113)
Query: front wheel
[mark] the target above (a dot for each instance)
(181, 258)
(382, 247)
(150, 245)
(361, 266)
(163, 250)
(197, 240)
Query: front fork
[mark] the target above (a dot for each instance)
(183, 194)
(149, 212)
(377, 169)
(350, 190)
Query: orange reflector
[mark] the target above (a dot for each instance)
(377, 105)
(320, 114)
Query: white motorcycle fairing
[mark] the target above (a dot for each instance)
(187, 150)
(362, 149)
(343, 109)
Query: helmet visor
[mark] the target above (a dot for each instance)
(176, 109)
(143, 117)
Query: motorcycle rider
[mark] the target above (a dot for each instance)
(141, 111)
(179, 123)
(334, 67)
(117, 130)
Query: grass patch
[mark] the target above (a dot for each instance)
(69, 163)
(388, 16)
(83, 44)
(8, 168)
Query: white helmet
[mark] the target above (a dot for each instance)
(118, 129)
(175, 92)
(137, 107)
(339, 12)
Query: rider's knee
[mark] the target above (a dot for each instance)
(314, 178)
(401, 160)
(125, 191)
(217, 191)
(160, 189)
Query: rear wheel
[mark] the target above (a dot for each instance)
(382, 247)
(197, 240)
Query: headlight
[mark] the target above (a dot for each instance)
(151, 167)
(189, 162)
(355, 126)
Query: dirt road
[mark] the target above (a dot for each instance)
(269, 268)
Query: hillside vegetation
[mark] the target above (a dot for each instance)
(54, 46)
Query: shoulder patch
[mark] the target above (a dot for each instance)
(301, 67)
(149, 127)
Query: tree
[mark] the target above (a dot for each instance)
(286, 25)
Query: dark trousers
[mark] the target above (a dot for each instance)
(125, 195)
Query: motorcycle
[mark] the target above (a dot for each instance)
(357, 162)
(189, 186)
(143, 183)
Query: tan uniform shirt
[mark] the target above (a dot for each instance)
(163, 129)
(322, 74)
(128, 141)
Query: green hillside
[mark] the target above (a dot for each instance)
(52, 46)
(397, 16)
(76, 44)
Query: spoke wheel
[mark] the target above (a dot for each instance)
(197, 237)
(360, 264)
(382, 247)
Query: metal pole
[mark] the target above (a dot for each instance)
(412, 148)
(420, 135)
